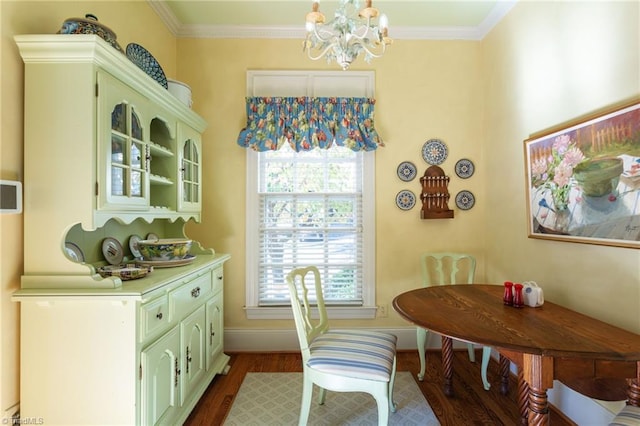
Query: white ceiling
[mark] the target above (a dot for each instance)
(408, 19)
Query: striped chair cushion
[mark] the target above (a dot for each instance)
(354, 353)
(628, 416)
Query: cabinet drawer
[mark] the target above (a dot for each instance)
(154, 316)
(218, 279)
(189, 296)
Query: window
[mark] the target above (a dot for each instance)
(310, 208)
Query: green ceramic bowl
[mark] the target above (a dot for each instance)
(164, 249)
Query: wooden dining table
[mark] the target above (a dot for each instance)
(545, 343)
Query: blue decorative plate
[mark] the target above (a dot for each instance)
(405, 200)
(147, 63)
(464, 168)
(407, 171)
(434, 152)
(465, 200)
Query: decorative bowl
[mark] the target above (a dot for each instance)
(164, 249)
(125, 272)
(599, 177)
(90, 25)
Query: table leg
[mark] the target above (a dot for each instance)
(505, 364)
(447, 365)
(633, 392)
(523, 398)
(538, 372)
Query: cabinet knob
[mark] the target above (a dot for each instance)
(159, 316)
(195, 292)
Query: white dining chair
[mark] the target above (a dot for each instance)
(442, 269)
(339, 360)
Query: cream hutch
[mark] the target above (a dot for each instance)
(109, 152)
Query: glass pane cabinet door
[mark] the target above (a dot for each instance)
(191, 173)
(125, 163)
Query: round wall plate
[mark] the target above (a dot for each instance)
(465, 200)
(133, 245)
(74, 252)
(464, 168)
(407, 171)
(434, 152)
(112, 251)
(405, 200)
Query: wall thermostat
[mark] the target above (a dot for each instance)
(10, 196)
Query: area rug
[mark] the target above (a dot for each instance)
(273, 399)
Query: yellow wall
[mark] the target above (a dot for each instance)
(438, 96)
(546, 63)
(143, 26)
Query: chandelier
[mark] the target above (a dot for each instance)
(347, 35)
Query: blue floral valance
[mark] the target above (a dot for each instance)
(307, 123)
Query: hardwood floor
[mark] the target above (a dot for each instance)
(471, 405)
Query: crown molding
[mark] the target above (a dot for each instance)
(274, 32)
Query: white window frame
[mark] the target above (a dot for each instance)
(311, 83)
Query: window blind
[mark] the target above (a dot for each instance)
(311, 214)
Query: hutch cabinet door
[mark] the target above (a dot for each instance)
(123, 181)
(193, 332)
(214, 328)
(190, 187)
(160, 379)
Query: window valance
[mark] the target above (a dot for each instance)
(306, 123)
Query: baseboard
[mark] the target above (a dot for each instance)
(579, 408)
(283, 340)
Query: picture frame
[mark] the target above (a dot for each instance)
(583, 179)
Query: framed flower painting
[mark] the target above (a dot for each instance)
(583, 179)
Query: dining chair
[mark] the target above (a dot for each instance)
(339, 360)
(442, 269)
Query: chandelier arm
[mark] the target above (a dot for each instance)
(320, 55)
(372, 53)
(329, 34)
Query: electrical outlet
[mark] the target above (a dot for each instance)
(383, 311)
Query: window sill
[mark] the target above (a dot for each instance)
(284, 312)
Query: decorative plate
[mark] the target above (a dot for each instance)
(133, 245)
(464, 168)
(152, 236)
(147, 63)
(407, 171)
(126, 272)
(74, 252)
(465, 200)
(405, 200)
(167, 263)
(112, 251)
(434, 152)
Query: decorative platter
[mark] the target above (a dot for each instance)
(434, 152)
(152, 236)
(407, 171)
(464, 168)
(167, 263)
(465, 200)
(74, 252)
(125, 272)
(133, 245)
(405, 200)
(112, 251)
(147, 63)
